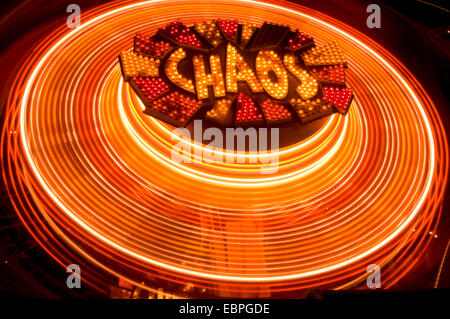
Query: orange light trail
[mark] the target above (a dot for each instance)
(91, 175)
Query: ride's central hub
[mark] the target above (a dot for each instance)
(236, 74)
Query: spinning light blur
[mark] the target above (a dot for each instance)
(91, 176)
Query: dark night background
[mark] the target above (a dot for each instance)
(416, 32)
